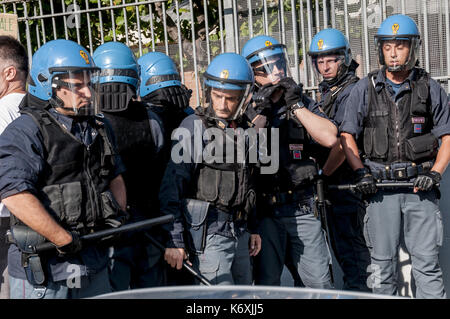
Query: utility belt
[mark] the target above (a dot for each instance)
(198, 215)
(400, 171)
(288, 197)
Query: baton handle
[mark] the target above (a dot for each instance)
(144, 224)
(197, 275)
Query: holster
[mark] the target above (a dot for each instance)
(26, 239)
(195, 212)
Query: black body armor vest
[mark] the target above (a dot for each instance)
(228, 186)
(136, 147)
(74, 184)
(399, 132)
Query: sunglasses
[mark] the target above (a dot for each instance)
(269, 67)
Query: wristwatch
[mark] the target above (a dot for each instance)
(297, 106)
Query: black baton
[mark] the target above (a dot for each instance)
(113, 231)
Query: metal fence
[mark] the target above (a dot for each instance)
(192, 32)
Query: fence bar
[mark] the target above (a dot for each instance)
(38, 38)
(194, 51)
(113, 20)
(317, 16)
(266, 18)
(205, 7)
(52, 10)
(126, 23)
(27, 32)
(222, 44)
(18, 28)
(180, 44)
(282, 25)
(100, 19)
(302, 30)
(347, 33)
(447, 37)
(250, 18)
(77, 21)
(295, 40)
(425, 36)
(333, 14)
(152, 32)
(403, 7)
(166, 42)
(366, 35)
(138, 20)
(308, 12)
(42, 22)
(235, 27)
(325, 15)
(383, 10)
(91, 49)
(65, 19)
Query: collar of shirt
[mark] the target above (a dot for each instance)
(381, 81)
(82, 130)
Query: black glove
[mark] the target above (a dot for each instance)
(292, 91)
(262, 98)
(426, 181)
(118, 220)
(71, 248)
(365, 183)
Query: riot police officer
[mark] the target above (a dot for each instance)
(139, 134)
(162, 91)
(289, 226)
(60, 178)
(332, 61)
(397, 114)
(215, 195)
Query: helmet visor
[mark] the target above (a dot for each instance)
(327, 67)
(77, 91)
(271, 67)
(227, 104)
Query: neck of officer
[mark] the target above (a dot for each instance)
(398, 76)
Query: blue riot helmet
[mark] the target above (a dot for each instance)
(161, 83)
(64, 74)
(330, 42)
(227, 86)
(119, 77)
(399, 27)
(267, 57)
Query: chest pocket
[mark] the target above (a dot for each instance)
(376, 142)
(216, 186)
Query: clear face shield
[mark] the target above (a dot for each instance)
(396, 64)
(327, 67)
(227, 100)
(271, 65)
(76, 92)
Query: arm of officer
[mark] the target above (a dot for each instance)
(334, 160)
(321, 129)
(118, 189)
(26, 207)
(350, 148)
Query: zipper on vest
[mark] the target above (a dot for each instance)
(397, 131)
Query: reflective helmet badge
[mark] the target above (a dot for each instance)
(320, 44)
(84, 56)
(224, 74)
(268, 43)
(395, 28)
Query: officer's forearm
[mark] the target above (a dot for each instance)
(443, 156)
(321, 129)
(334, 160)
(26, 207)
(351, 151)
(118, 189)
